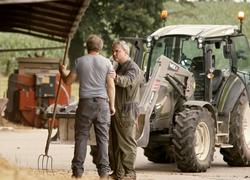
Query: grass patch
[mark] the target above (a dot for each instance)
(3, 86)
(75, 90)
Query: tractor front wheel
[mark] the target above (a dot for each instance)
(194, 139)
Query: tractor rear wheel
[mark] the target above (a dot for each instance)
(194, 139)
(239, 134)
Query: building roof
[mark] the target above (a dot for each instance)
(51, 19)
(205, 31)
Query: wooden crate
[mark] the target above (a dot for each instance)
(37, 65)
(67, 132)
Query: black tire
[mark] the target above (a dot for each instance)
(239, 132)
(194, 139)
(159, 153)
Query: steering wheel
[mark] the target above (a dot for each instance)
(186, 62)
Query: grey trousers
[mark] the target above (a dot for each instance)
(92, 111)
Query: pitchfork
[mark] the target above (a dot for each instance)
(44, 160)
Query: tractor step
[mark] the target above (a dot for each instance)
(224, 145)
(222, 134)
(222, 139)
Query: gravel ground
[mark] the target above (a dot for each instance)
(20, 147)
(19, 153)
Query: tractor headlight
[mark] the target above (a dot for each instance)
(156, 37)
(200, 42)
(149, 41)
(210, 74)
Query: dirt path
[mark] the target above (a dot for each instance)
(20, 148)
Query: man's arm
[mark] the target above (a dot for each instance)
(67, 78)
(111, 92)
(128, 79)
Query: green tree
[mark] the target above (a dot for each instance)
(114, 19)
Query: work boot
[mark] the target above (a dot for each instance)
(104, 177)
(113, 176)
(129, 177)
(74, 176)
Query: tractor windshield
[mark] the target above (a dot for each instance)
(180, 49)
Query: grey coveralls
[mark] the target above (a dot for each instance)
(122, 149)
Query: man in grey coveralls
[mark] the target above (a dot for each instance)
(96, 103)
(123, 126)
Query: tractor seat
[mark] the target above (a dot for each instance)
(197, 64)
(217, 80)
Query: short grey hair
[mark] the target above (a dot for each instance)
(123, 44)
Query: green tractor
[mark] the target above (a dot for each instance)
(196, 96)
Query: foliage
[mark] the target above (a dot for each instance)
(208, 13)
(19, 41)
(119, 19)
(114, 19)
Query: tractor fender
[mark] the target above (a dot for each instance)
(229, 94)
(205, 104)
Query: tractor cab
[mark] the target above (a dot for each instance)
(209, 51)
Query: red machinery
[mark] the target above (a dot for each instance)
(32, 88)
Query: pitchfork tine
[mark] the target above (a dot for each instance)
(45, 166)
(50, 125)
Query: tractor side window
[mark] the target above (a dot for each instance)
(157, 51)
(137, 51)
(220, 62)
(145, 60)
(242, 52)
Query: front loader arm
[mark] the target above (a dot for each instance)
(180, 78)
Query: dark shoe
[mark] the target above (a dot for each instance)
(104, 177)
(76, 173)
(113, 176)
(129, 177)
(76, 176)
